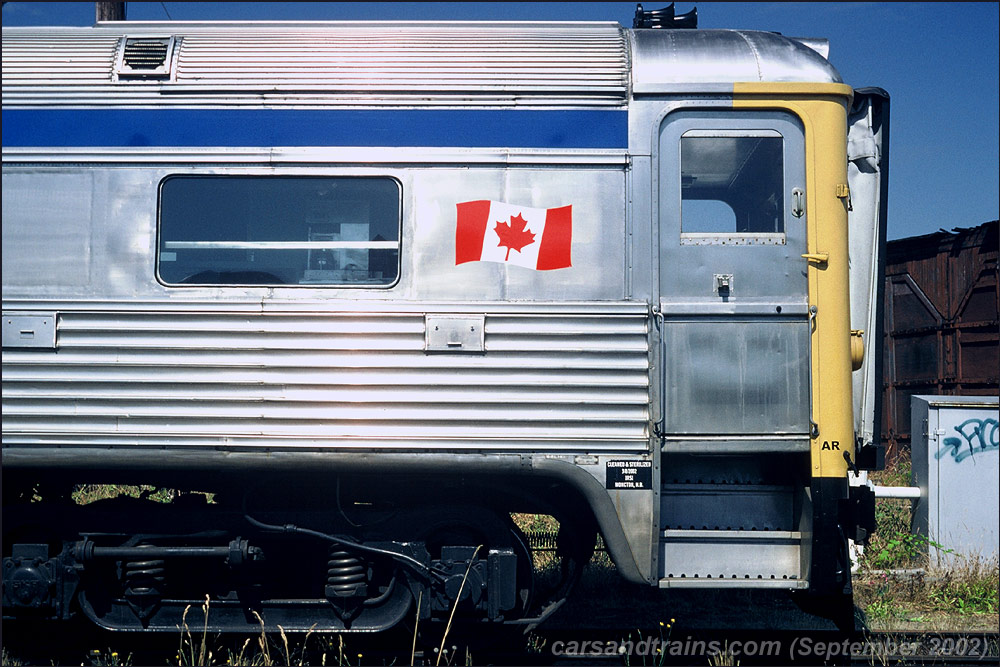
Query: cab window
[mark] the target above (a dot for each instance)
(731, 184)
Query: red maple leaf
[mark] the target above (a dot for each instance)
(513, 235)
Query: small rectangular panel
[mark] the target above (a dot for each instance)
(454, 333)
(629, 475)
(29, 330)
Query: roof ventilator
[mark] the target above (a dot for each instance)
(145, 57)
(664, 18)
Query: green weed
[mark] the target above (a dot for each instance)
(108, 658)
(970, 588)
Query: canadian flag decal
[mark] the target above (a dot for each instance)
(493, 231)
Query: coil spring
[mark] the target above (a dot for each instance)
(144, 577)
(345, 573)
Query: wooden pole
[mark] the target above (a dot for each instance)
(110, 11)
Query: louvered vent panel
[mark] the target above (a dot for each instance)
(145, 54)
(145, 57)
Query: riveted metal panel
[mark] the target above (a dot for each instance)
(454, 333)
(29, 330)
(682, 60)
(726, 376)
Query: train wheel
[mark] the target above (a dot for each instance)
(484, 528)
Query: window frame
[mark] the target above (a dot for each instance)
(734, 237)
(287, 245)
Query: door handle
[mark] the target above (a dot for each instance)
(798, 202)
(818, 257)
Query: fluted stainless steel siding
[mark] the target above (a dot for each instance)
(46, 58)
(585, 64)
(547, 381)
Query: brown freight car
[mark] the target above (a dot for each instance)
(941, 325)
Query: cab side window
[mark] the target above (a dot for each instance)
(731, 184)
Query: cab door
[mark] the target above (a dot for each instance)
(732, 279)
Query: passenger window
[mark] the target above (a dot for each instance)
(279, 230)
(732, 187)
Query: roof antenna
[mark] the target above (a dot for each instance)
(664, 18)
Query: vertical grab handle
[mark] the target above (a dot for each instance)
(798, 202)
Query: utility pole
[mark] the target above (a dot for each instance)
(110, 11)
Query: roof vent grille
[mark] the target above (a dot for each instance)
(145, 57)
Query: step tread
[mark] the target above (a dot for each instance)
(711, 535)
(703, 582)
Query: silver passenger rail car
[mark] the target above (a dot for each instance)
(373, 287)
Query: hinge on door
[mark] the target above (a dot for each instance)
(844, 192)
(657, 314)
(659, 427)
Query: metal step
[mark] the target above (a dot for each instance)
(731, 559)
(783, 584)
(734, 445)
(729, 507)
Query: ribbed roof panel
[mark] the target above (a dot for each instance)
(36, 58)
(393, 63)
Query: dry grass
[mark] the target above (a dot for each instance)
(963, 596)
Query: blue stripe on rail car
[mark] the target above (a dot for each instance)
(508, 128)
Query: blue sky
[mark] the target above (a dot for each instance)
(938, 61)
